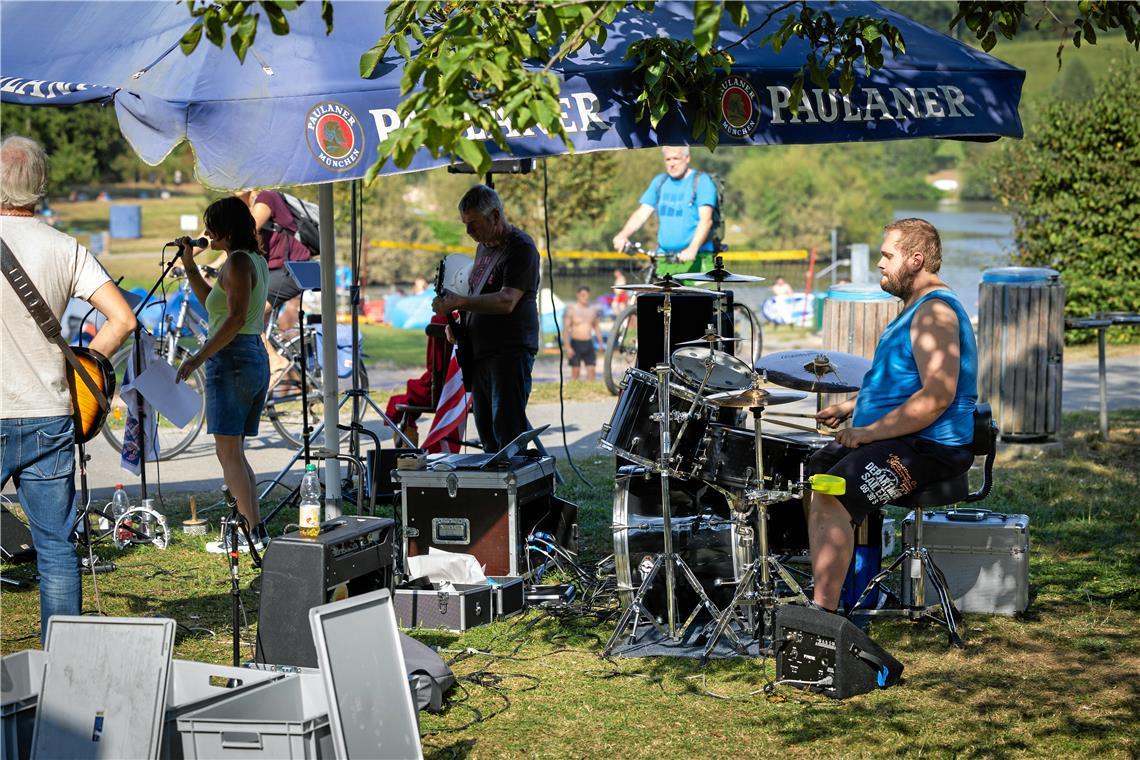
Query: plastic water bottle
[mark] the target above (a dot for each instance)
(310, 519)
(120, 503)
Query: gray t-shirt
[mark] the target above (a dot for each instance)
(33, 380)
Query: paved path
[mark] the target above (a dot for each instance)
(197, 469)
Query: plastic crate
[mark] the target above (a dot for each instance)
(193, 686)
(22, 675)
(284, 719)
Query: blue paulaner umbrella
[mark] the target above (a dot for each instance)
(298, 112)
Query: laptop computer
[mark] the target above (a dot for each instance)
(487, 461)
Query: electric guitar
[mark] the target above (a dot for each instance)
(456, 326)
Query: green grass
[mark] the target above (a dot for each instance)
(392, 346)
(1039, 59)
(1059, 681)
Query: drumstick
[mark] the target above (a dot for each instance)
(769, 421)
(792, 414)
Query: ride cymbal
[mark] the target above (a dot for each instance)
(815, 371)
(750, 397)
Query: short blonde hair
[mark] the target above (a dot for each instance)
(919, 236)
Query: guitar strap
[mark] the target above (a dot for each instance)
(44, 319)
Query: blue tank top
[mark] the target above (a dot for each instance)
(893, 377)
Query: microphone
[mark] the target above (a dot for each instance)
(196, 242)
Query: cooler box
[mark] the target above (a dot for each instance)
(284, 719)
(984, 556)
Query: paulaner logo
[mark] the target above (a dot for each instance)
(739, 110)
(39, 88)
(335, 136)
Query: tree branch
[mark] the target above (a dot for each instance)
(566, 48)
(762, 24)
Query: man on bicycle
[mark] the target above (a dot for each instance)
(683, 200)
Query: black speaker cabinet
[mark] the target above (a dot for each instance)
(826, 653)
(692, 314)
(351, 556)
(15, 538)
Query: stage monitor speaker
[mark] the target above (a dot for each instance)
(692, 314)
(15, 538)
(351, 556)
(826, 653)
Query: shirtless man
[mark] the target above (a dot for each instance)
(583, 335)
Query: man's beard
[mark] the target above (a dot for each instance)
(898, 287)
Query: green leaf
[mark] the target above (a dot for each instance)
(189, 41)
(214, 31)
(277, 21)
(244, 35)
(706, 24)
(473, 154)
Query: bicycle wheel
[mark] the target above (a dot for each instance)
(621, 349)
(283, 406)
(745, 325)
(172, 440)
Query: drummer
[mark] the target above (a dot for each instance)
(912, 422)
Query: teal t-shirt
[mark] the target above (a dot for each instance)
(678, 202)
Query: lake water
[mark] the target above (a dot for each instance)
(975, 237)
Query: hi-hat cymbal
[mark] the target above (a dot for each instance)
(718, 275)
(815, 371)
(708, 339)
(749, 397)
(661, 286)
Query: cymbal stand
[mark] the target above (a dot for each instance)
(667, 558)
(748, 592)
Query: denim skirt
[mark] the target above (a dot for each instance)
(237, 378)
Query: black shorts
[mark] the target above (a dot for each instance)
(584, 353)
(282, 287)
(881, 472)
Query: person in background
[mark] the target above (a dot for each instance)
(781, 287)
(37, 429)
(583, 335)
(684, 205)
(237, 365)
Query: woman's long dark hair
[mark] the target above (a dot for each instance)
(231, 218)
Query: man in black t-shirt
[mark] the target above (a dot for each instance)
(500, 320)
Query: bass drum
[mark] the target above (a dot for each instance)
(703, 535)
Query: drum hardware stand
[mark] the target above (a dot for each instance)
(669, 558)
(748, 593)
(921, 567)
(686, 416)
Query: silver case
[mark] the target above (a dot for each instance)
(986, 563)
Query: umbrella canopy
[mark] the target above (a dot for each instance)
(298, 112)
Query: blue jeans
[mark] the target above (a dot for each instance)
(500, 387)
(39, 453)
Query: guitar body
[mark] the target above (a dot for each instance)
(89, 417)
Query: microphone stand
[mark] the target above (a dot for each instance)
(137, 358)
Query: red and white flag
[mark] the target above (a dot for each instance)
(450, 413)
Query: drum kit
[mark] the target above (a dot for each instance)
(706, 523)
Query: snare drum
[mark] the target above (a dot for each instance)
(728, 457)
(634, 434)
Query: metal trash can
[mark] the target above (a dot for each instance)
(1021, 329)
(854, 318)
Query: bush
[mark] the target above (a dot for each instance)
(1073, 189)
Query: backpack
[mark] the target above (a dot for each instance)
(306, 215)
(716, 232)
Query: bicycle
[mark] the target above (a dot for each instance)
(182, 331)
(621, 345)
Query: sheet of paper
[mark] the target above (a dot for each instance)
(178, 402)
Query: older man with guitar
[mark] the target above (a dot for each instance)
(39, 423)
(498, 337)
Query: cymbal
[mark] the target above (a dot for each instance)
(718, 275)
(708, 339)
(815, 371)
(749, 397)
(661, 286)
(725, 372)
